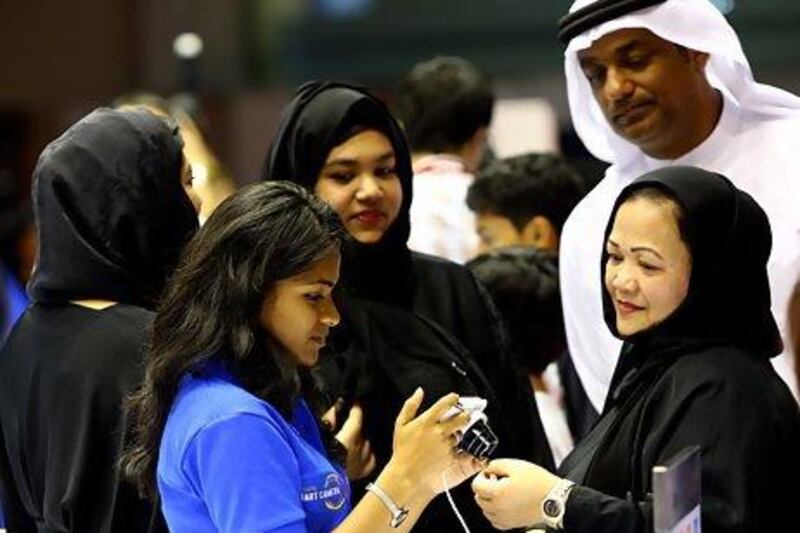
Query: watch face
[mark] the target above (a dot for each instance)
(551, 508)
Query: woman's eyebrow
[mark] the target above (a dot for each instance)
(341, 161)
(647, 249)
(320, 281)
(346, 161)
(637, 249)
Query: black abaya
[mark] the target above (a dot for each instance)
(395, 302)
(112, 217)
(702, 377)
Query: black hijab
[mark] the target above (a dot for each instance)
(408, 320)
(321, 116)
(699, 378)
(111, 214)
(729, 240)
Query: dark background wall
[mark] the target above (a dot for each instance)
(58, 60)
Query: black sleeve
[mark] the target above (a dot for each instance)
(749, 462)
(590, 511)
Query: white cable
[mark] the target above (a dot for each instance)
(450, 499)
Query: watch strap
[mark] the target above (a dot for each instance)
(398, 513)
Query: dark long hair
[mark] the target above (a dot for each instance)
(210, 310)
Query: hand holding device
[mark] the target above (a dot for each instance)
(475, 437)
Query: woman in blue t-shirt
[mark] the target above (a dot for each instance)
(225, 425)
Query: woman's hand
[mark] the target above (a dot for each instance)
(425, 447)
(424, 450)
(510, 492)
(360, 459)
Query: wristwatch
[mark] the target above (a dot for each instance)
(399, 514)
(555, 503)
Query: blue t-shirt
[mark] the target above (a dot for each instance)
(229, 461)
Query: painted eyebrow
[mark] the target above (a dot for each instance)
(639, 249)
(353, 162)
(326, 282)
(647, 249)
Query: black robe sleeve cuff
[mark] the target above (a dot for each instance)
(591, 511)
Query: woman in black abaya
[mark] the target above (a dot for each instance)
(113, 207)
(685, 270)
(407, 318)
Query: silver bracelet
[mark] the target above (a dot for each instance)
(399, 514)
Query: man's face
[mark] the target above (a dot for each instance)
(646, 86)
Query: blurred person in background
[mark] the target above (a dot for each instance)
(445, 107)
(407, 319)
(113, 206)
(524, 201)
(523, 284)
(654, 83)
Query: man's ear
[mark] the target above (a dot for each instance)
(539, 232)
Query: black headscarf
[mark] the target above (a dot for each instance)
(319, 118)
(729, 241)
(701, 377)
(111, 214)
